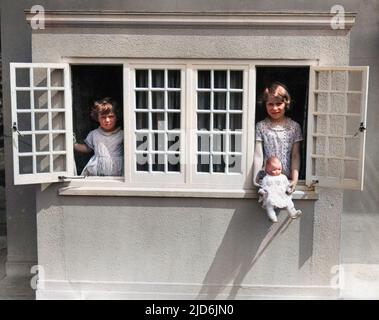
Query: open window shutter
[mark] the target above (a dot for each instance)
(41, 122)
(336, 126)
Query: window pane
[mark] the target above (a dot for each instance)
(142, 162)
(235, 100)
(157, 100)
(352, 125)
(321, 103)
(236, 81)
(204, 100)
(158, 121)
(338, 103)
(219, 143)
(219, 121)
(158, 162)
(56, 78)
(22, 77)
(354, 103)
(40, 99)
(319, 167)
(23, 99)
(57, 99)
(173, 162)
(322, 80)
(24, 121)
(42, 142)
(218, 163)
(203, 121)
(235, 122)
(336, 125)
(339, 79)
(334, 168)
(25, 165)
(219, 100)
(59, 163)
(351, 169)
(335, 147)
(320, 124)
(40, 77)
(203, 79)
(25, 143)
(41, 121)
(158, 141)
(235, 164)
(142, 141)
(235, 143)
(173, 121)
(158, 78)
(142, 120)
(142, 77)
(58, 120)
(355, 80)
(319, 145)
(173, 142)
(174, 100)
(220, 79)
(43, 164)
(203, 142)
(203, 163)
(352, 147)
(141, 99)
(59, 142)
(174, 78)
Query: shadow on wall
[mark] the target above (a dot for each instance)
(232, 263)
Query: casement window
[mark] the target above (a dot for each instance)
(187, 124)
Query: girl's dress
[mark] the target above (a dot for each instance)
(276, 196)
(278, 141)
(108, 149)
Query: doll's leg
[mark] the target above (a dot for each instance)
(293, 212)
(271, 213)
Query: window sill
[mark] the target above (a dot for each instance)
(119, 191)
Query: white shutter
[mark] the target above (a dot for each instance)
(336, 126)
(41, 122)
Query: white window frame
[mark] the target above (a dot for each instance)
(187, 182)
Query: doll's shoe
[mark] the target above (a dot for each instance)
(272, 217)
(296, 214)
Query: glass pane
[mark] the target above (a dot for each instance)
(321, 104)
(158, 78)
(173, 162)
(174, 100)
(23, 99)
(336, 147)
(334, 168)
(235, 164)
(352, 125)
(235, 122)
(351, 170)
(322, 80)
(158, 162)
(174, 78)
(219, 79)
(158, 141)
(203, 142)
(320, 124)
(219, 143)
(336, 125)
(203, 163)
(43, 164)
(58, 120)
(22, 77)
(40, 99)
(158, 121)
(204, 79)
(319, 145)
(235, 143)
(25, 165)
(59, 142)
(141, 99)
(355, 80)
(42, 142)
(173, 121)
(203, 121)
(25, 143)
(319, 167)
(142, 79)
(339, 79)
(24, 121)
(142, 120)
(40, 77)
(57, 99)
(157, 100)
(338, 103)
(218, 163)
(236, 80)
(41, 121)
(219, 121)
(142, 162)
(354, 103)
(204, 100)
(235, 101)
(173, 142)
(219, 102)
(353, 147)
(142, 141)
(56, 77)
(59, 163)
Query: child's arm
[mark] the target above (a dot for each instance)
(258, 161)
(82, 148)
(295, 165)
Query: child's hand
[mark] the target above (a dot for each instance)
(291, 187)
(74, 141)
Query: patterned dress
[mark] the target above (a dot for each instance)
(278, 141)
(108, 149)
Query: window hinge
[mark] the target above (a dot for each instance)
(14, 127)
(360, 129)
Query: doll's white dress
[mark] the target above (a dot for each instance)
(108, 153)
(275, 195)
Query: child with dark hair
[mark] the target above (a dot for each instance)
(106, 141)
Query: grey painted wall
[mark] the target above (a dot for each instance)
(364, 51)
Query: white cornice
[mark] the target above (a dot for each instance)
(286, 20)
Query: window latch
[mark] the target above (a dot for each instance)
(14, 127)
